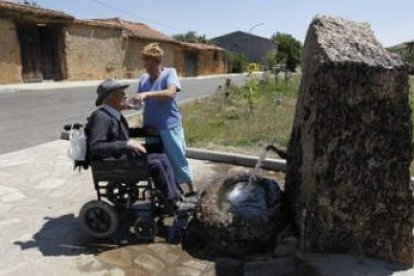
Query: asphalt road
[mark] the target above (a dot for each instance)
(32, 117)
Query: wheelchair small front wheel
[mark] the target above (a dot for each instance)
(145, 229)
(98, 219)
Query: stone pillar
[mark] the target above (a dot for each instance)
(348, 177)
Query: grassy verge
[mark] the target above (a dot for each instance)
(222, 123)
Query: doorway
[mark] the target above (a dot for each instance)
(191, 61)
(41, 48)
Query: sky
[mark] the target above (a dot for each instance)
(391, 20)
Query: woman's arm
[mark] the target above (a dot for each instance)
(166, 94)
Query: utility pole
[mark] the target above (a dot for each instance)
(248, 39)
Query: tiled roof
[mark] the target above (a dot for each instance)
(6, 6)
(135, 29)
(201, 46)
(96, 23)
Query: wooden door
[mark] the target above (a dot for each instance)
(50, 53)
(30, 53)
(40, 48)
(191, 62)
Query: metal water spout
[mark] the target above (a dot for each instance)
(282, 154)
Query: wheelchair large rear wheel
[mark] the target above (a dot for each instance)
(98, 219)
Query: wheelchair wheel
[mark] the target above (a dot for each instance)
(98, 219)
(145, 229)
(121, 193)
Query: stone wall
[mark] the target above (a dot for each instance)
(96, 52)
(210, 62)
(179, 60)
(10, 62)
(93, 52)
(350, 150)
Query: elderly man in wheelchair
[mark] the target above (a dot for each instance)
(120, 165)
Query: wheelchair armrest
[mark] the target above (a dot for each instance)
(114, 164)
(120, 170)
(143, 132)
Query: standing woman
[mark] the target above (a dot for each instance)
(157, 89)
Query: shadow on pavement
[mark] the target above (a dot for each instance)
(62, 236)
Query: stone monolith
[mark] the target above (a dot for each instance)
(348, 176)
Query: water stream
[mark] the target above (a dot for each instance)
(256, 168)
(251, 198)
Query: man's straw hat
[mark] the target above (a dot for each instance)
(106, 87)
(152, 50)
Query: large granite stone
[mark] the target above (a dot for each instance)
(348, 169)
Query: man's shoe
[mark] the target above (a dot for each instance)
(191, 199)
(198, 194)
(185, 206)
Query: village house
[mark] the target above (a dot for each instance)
(200, 59)
(111, 47)
(252, 46)
(32, 43)
(42, 44)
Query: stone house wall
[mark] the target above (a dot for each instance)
(10, 61)
(210, 62)
(96, 52)
(93, 52)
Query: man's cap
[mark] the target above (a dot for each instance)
(106, 87)
(152, 50)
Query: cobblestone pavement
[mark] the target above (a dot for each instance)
(40, 196)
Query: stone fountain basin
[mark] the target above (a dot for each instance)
(224, 233)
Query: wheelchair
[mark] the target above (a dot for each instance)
(120, 185)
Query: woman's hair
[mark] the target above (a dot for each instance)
(153, 50)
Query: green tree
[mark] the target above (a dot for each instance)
(406, 51)
(288, 50)
(30, 3)
(236, 61)
(191, 37)
(270, 60)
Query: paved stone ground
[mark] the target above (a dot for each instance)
(40, 197)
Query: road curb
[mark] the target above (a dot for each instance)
(39, 86)
(235, 159)
(242, 160)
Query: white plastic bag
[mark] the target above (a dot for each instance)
(77, 147)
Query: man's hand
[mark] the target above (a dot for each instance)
(139, 98)
(136, 146)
